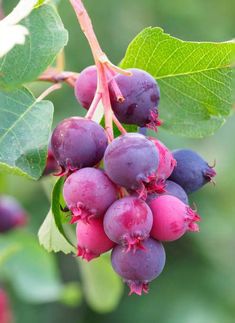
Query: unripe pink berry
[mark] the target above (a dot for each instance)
(5, 311)
(91, 239)
(172, 218)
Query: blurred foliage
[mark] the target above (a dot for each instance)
(197, 285)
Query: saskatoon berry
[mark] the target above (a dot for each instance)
(11, 214)
(128, 221)
(192, 171)
(86, 85)
(171, 218)
(131, 161)
(171, 188)
(138, 268)
(142, 94)
(77, 143)
(91, 239)
(88, 192)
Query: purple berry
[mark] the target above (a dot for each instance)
(91, 239)
(191, 171)
(138, 268)
(142, 94)
(88, 192)
(131, 161)
(128, 222)
(51, 164)
(172, 218)
(11, 214)
(171, 188)
(86, 85)
(77, 143)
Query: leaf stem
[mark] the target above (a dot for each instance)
(48, 91)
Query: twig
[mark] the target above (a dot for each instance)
(51, 89)
(54, 76)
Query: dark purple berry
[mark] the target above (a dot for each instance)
(77, 143)
(88, 192)
(11, 214)
(86, 85)
(191, 171)
(141, 94)
(51, 164)
(131, 161)
(128, 222)
(138, 268)
(171, 188)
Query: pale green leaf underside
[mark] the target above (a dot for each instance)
(51, 239)
(25, 127)
(194, 78)
(24, 63)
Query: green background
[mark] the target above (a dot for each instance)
(198, 283)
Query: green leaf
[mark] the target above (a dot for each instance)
(31, 270)
(47, 37)
(72, 294)
(194, 78)
(102, 287)
(25, 127)
(51, 238)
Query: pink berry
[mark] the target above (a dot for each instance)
(91, 239)
(172, 218)
(128, 221)
(88, 192)
(166, 165)
(5, 311)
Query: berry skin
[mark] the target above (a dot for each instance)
(128, 222)
(88, 192)
(11, 214)
(171, 188)
(77, 143)
(131, 161)
(138, 268)
(86, 85)
(142, 94)
(192, 171)
(91, 239)
(171, 218)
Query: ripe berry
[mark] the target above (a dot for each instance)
(88, 192)
(171, 188)
(11, 214)
(142, 94)
(192, 171)
(77, 143)
(128, 222)
(131, 161)
(91, 239)
(138, 268)
(86, 85)
(171, 218)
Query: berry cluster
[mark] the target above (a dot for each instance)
(138, 199)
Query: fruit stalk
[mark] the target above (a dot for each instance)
(104, 68)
